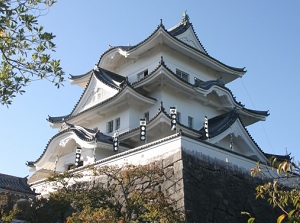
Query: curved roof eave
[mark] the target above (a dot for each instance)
(161, 34)
(207, 88)
(223, 123)
(126, 89)
(17, 185)
(93, 74)
(80, 80)
(157, 117)
(100, 138)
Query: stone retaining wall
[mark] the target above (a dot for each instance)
(217, 192)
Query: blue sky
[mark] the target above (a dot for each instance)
(262, 36)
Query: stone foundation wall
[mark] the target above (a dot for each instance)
(212, 191)
(173, 182)
(217, 192)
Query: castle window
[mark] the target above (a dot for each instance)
(98, 94)
(178, 117)
(118, 123)
(190, 122)
(182, 75)
(146, 115)
(110, 126)
(142, 74)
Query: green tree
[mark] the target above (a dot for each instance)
(281, 188)
(25, 48)
(128, 194)
(108, 194)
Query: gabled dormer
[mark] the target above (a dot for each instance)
(102, 85)
(184, 31)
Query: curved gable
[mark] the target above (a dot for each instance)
(228, 131)
(184, 31)
(185, 43)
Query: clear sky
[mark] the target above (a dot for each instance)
(262, 36)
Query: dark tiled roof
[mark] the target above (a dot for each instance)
(109, 78)
(219, 124)
(265, 113)
(181, 28)
(74, 77)
(15, 184)
(278, 157)
(99, 136)
(84, 134)
(208, 84)
(57, 119)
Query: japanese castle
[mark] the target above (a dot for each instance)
(145, 102)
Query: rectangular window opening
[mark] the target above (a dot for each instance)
(190, 122)
(142, 74)
(178, 117)
(118, 123)
(110, 126)
(182, 75)
(146, 116)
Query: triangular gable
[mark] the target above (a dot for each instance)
(235, 137)
(184, 31)
(100, 88)
(190, 39)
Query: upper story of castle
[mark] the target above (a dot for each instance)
(168, 69)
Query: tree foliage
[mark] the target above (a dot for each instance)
(107, 194)
(281, 188)
(25, 48)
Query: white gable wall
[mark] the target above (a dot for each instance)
(174, 61)
(189, 38)
(96, 93)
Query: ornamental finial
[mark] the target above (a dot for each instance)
(185, 17)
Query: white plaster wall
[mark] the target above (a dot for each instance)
(186, 106)
(174, 61)
(144, 156)
(124, 119)
(148, 61)
(138, 112)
